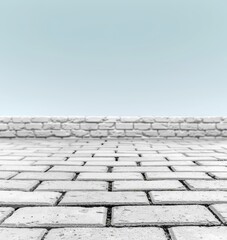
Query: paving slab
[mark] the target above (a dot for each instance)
(57, 217)
(145, 233)
(212, 185)
(168, 163)
(162, 215)
(78, 169)
(20, 185)
(147, 185)
(109, 176)
(200, 168)
(24, 168)
(219, 175)
(5, 212)
(84, 198)
(22, 234)
(176, 175)
(18, 198)
(42, 176)
(141, 169)
(110, 163)
(188, 197)
(64, 186)
(198, 233)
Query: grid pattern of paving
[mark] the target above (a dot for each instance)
(113, 189)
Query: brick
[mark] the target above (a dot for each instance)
(3, 126)
(141, 169)
(109, 176)
(124, 126)
(52, 126)
(166, 133)
(200, 168)
(86, 198)
(106, 233)
(25, 133)
(176, 175)
(99, 133)
(33, 126)
(219, 175)
(64, 186)
(7, 134)
(94, 119)
(206, 126)
(57, 217)
(150, 133)
(212, 119)
(5, 212)
(162, 215)
(106, 126)
(147, 185)
(22, 234)
(207, 185)
(189, 126)
(18, 198)
(188, 197)
(7, 175)
(198, 233)
(89, 126)
(43, 133)
(142, 126)
(42, 176)
(40, 119)
(168, 163)
(221, 211)
(24, 168)
(61, 133)
(78, 169)
(18, 185)
(159, 126)
(79, 133)
(110, 163)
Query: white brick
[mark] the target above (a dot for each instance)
(189, 126)
(33, 126)
(25, 133)
(57, 217)
(142, 126)
(106, 233)
(61, 133)
(89, 126)
(3, 126)
(162, 215)
(166, 133)
(5, 212)
(50, 126)
(99, 133)
(124, 126)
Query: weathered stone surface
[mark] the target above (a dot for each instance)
(162, 215)
(44, 176)
(110, 176)
(188, 197)
(7, 175)
(64, 186)
(21, 234)
(104, 198)
(56, 217)
(200, 168)
(19, 185)
(78, 169)
(18, 198)
(176, 175)
(141, 169)
(106, 233)
(207, 184)
(147, 185)
(198, 233)
(24, 168)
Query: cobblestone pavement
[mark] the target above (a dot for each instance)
(113, 189)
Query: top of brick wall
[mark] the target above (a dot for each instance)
(113, 127)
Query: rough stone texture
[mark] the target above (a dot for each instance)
(162, 215)
(5, 212)
(198, 233)
(110, 176)
(19, 185)
(64, 186)
(147, 185)
(112, 127)
(18, 198)
(207, 185)
(176, 175)
(57, 217)
(21, 234)
(106, 233)
(104, 198)
(187, 197)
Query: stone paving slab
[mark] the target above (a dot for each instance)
(45, 176)
(84, 198)
(141, 169)
(176, 175)
(147, 185)
(109, 176)
(18, 198)
(188, 197)
(24, 168)
(20, 185)
(198, 233)
(206, 185)
(78, 169)
(21, 234)
(64, 186)
(57, 217)
(163, 215)
(107, 233)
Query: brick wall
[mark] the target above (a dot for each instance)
(113, 127)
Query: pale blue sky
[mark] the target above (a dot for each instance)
(120, 57)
